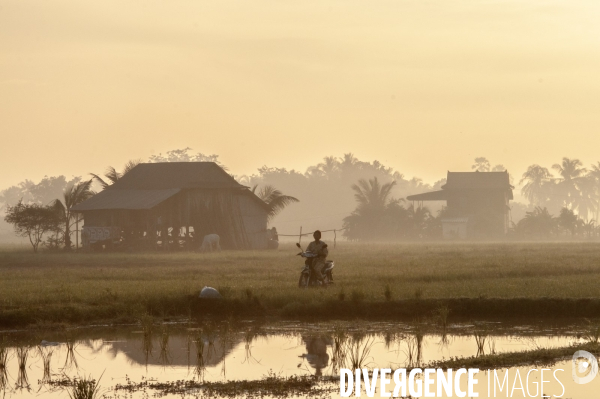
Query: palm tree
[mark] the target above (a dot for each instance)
(571, 172)
(348, 162)
(112, 175)
(536, 188)
(329, 166)
(72, 196)
(594, 175)
(275, 199)
(372, 194)
(586, 199)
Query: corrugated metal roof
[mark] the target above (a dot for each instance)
(159, 176)
(430, 196)
(114, 198)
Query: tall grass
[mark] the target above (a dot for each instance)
(358, 351)
(481, 335)
(592, 332)
(441, 315)
(84, 388)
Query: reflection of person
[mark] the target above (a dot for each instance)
(318, 247)
(316, 352)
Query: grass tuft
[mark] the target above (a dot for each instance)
(83, 388)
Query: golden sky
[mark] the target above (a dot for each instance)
(421, 85)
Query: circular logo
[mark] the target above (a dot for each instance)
(584, 367)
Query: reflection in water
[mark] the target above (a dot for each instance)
(482, 338)
(45, 353)
(3, 368)
(222, 351)
(200, 367)
(358, 351)
(444, 341)
(147, 346)
(414, 348)
(249, 336)
(338, 357)
(71, 359)
(22, 380)
(164, 357)
(316, 351)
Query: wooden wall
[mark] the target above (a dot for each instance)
(187, 217)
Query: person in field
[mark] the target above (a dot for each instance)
(320, 248)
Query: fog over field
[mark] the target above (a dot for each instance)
(283, 93)
(554, 202)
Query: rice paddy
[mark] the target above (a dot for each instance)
(72, 288)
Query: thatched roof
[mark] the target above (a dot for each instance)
(149, 184)
(126, 199)
(157, 176)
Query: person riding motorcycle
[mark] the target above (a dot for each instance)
(320, 248)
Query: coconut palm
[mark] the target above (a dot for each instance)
(537, 181)
(372, 194)
(571, 172)
(275, 199)
(594, 176)
(72, 196)
(348, 162)
(586, 198)
(329, 166)
(112, 175)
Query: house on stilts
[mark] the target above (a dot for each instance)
(174, 205)
(477, 204)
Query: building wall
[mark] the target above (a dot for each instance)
(487, 210)
(239, 220)
(454, 229)
(255, 222)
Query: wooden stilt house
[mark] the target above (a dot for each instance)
(173, 205)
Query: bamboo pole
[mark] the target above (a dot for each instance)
(76, 232)
(300, 236)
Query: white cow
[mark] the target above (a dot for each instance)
(211, 243)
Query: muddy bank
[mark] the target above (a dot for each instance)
(408, 309)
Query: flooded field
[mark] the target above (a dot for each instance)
(40, 364)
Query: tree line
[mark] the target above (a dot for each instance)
(364, 198)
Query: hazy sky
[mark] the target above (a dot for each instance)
(423, 86)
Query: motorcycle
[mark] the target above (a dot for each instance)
(307, 275)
